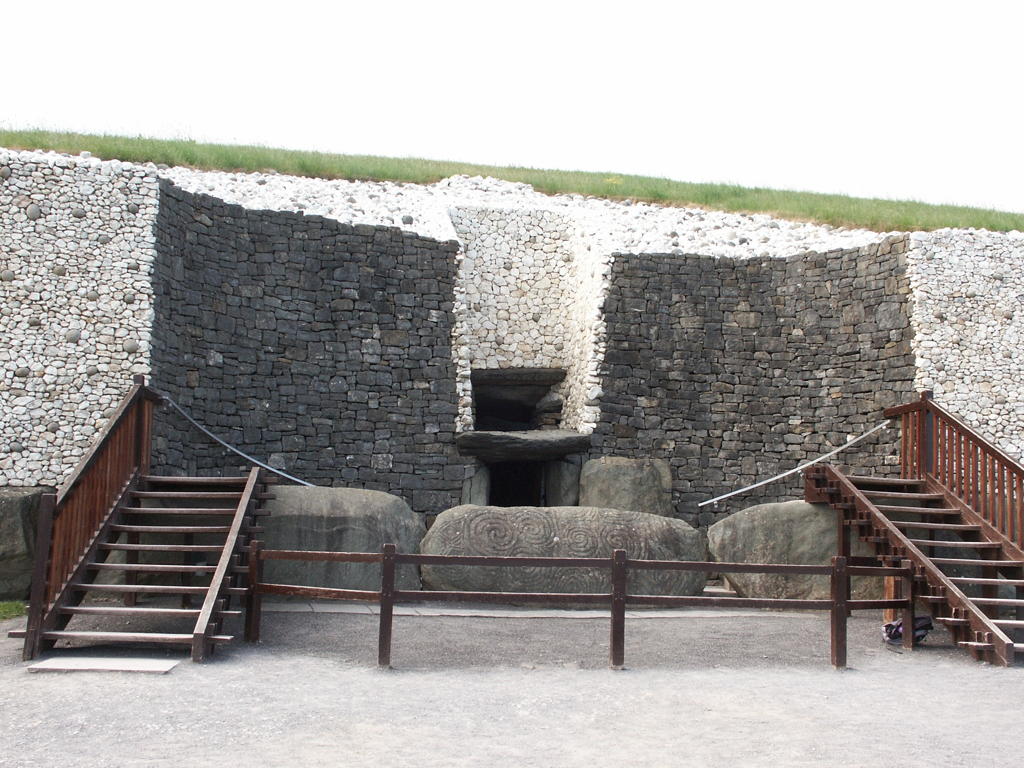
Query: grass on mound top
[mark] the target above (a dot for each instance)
(837, 210)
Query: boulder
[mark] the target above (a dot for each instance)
(560, 532)
(641, 485)
(526, 445)
(789, 532)
(339, 520)
(18, 509)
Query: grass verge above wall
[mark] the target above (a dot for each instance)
(837, 210)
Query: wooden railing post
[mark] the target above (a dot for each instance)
(840, 598)
(40, 569)
(387, 604)
(617, 644)
(253, 598)
(907, 593)
(143, 417)
(926, 447)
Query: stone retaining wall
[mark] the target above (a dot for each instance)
(734, 370)
(968, 317)
(321, 347)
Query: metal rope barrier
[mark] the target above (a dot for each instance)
(797, 469)
(170, 401)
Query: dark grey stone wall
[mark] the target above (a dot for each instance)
(735, 370)
(322, 348)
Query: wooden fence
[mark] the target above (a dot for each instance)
(619, 565)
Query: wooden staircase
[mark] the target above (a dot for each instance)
(124, 556)
(170, 538)
(959, 522)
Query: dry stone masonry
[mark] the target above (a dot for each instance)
(76, 256)
(334, 327)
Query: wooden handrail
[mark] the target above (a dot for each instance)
(86, 503)
(200, 635)
(936, 444)
(123, 411)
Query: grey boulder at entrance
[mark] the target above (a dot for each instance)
(18, 510)
(339, 520)
(643, 485)
(560, 532)
(789, 532)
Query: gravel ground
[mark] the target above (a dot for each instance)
(703, 689)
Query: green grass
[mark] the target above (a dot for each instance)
(11, 609)
(838, 210)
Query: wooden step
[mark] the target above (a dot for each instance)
(940, 511)
(975, 645)
(951, 622)
(888, 481)
(162, 547)
(1011, 623)
(160, 568)
(155, 568)
(153, 589)
(187, 494)
(956, 544)
(958, 527)
(175, 480)
(179, 510)
(979, 563)
(997, 601)
(902, 495)
(994, 582)
(118, 610)
(170, 528)
(131, 637)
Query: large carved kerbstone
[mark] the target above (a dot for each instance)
(340, 520)
(18, 509)
(643, 485)
(560, 532)
(790, 532)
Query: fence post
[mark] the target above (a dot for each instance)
(387, 603)
(840, 599)
(253, 598)
(617, 650)
(40, 567)
(907, 593)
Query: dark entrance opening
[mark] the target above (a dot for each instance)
(517, 484)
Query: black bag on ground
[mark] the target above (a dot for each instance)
(893, 631)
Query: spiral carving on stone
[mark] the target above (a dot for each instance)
(560, 532)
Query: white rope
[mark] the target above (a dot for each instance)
(167, 399)
(797, 469)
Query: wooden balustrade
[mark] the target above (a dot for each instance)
(69, 526)
(934, 443)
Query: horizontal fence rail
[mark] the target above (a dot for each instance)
(934, 443)
(619, 565)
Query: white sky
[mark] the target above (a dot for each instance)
(900, 99)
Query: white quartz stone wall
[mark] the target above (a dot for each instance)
(76, 253)
(968, 319)
(516, 296)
